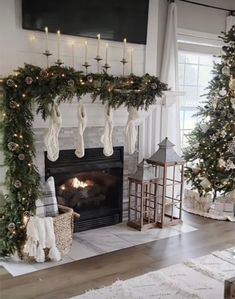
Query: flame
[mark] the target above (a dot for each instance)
(78, 184)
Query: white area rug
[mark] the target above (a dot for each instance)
(99, 241)
(200, 278)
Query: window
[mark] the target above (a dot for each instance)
(194, 75)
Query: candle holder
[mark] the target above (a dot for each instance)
(106, 67)
(123, 61)
(86, 65)
(47, 54)
(59, 62)
(98, 59)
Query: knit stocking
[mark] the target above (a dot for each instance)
(82, 121)
(51, 138)
(106, 138)
(131, 131)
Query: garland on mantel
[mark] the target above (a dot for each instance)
(33, 85)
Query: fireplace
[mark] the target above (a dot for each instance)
(92, 185)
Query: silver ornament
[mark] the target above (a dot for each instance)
(232, 84)
(226, 70)
(10, 82)
(43, 74)
(11, 227)
(17, 184)
(28, 80)
(90, 78)
(154, 86)
(13, 104)
(222, 92)
(71, 83)
(21, 157)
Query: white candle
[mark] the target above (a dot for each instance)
(124, 48)
(85, 51)
(46, 31)
(72, 45)
(132, 50)
(106, 53)
(58, 44)
(98, 44)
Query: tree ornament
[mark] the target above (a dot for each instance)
(11, 226)
(230, 165)
(205, 183)
(12, 146)
(18, 184)
(90, 79)
(226, 70)
(222, 92)
(232, 100)
(221, 163)
(21, 157)
(13, 104)
(28, 80)
(71, 83)
(232, 83)
(154, 86)
(204, 127)
(43, 74)
(10, 83)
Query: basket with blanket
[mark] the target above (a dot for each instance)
(50, 230)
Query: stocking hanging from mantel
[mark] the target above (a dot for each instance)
(131, 132)
(51, 137)
(82, 122)
(107, 136)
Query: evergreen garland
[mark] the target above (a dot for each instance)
(210, 154)
(33, 86)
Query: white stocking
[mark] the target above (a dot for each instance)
(131, 131)
(82, 121)
(51, 138)
(106, 138)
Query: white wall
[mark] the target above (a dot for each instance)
(203, 19)
(18, 46)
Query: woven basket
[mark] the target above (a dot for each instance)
(63, 228)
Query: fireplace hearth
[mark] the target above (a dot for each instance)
(92, 185)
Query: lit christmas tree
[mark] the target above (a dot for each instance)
(210, 153)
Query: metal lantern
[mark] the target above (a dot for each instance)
(169, 169)
(142, 211)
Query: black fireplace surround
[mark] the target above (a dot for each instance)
(92, 185)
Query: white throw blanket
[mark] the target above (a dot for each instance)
(40, 235)
(131, 131)
(82, 122)
(51, 137)
(107, 136)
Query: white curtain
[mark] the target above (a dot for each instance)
(230, 21)
(169, 75)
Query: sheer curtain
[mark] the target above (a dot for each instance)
(169, 74)
(230, 21)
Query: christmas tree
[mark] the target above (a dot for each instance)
(210, 153)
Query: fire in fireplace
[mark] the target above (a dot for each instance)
(92, 185)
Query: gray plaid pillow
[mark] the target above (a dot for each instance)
(47, 206)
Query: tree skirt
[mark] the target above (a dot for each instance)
(222, 209)
(201, 278)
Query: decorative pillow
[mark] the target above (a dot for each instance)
(47, 206)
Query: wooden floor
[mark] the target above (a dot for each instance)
(74, 278)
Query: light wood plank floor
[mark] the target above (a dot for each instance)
(74, 278)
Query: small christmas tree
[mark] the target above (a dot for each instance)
(210, 153)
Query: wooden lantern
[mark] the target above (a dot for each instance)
(142, 211)
(169, 168)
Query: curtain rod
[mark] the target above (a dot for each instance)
(210, 6)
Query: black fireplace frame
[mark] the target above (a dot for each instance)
(68, 159)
